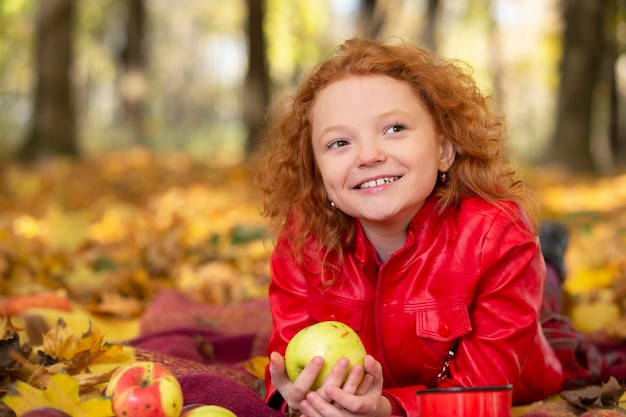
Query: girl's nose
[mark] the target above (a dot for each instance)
(370, 154)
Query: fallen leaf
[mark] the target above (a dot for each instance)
(62, 393)
(585, 398)
(611, 392)
(585, 279)
(117, 305)
(61, 343)
(594, 314)
(591, 397)
(66, 231)
(256, 366)
(7, 328)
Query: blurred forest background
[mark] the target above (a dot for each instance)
(91, 76)
(125, 128)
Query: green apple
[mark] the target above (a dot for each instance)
(201, 410)
(332, 340)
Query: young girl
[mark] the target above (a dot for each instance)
(397, 212)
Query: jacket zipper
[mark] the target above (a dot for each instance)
(378, 321)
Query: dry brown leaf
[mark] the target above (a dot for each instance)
(612, 392)
(77, 352)
(585, 398)
(117, 305)
(7, 328)
(592, 397)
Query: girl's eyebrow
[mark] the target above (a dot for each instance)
(332, 128)
(394, 112)
(338, 127)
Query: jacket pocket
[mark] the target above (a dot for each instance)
(442, 323)
(338, 310)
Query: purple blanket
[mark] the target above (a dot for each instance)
(205, 346)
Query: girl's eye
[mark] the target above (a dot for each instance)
(337, 144)
(395, 128)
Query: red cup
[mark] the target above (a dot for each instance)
(494, 401)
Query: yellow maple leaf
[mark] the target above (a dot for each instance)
(256, 366)
(62, 393)
(584, 279)
(75, 353)
(61, 343)
(113, 357)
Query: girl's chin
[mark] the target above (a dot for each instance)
(382, 217)
(386, 215)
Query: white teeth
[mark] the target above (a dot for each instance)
(378, 182)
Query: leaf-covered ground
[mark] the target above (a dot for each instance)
(594, 210)
(111, 231)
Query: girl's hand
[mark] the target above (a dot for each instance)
(293, 392)
(357, 397)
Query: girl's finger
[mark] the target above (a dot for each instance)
(307, 377)
(335, 377)
(354, 379)
(277, 371)
(366, 385)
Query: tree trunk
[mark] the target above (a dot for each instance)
(53, 129)
(134, 84)
(495, 57)
(256, 89)
(371, 19)
(616, 141)
(579, 71)
(430, 31)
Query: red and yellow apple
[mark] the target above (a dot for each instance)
(145, 389)
(202, 410)
(332, 340)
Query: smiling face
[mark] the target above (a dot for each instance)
(377, 149)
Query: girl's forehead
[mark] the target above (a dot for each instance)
(355, 82)
(360, 90)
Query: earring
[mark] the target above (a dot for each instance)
(443, 177)
(333, 206)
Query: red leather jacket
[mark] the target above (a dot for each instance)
(473, 274)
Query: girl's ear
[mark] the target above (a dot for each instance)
(446, 156)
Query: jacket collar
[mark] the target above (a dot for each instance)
(425, 218)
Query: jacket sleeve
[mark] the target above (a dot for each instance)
(288, 294)
(506, 344)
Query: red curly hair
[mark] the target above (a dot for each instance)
(292, 184)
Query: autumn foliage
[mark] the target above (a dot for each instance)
(111, 231)
(105, 234)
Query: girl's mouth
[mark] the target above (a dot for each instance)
(376, 183)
